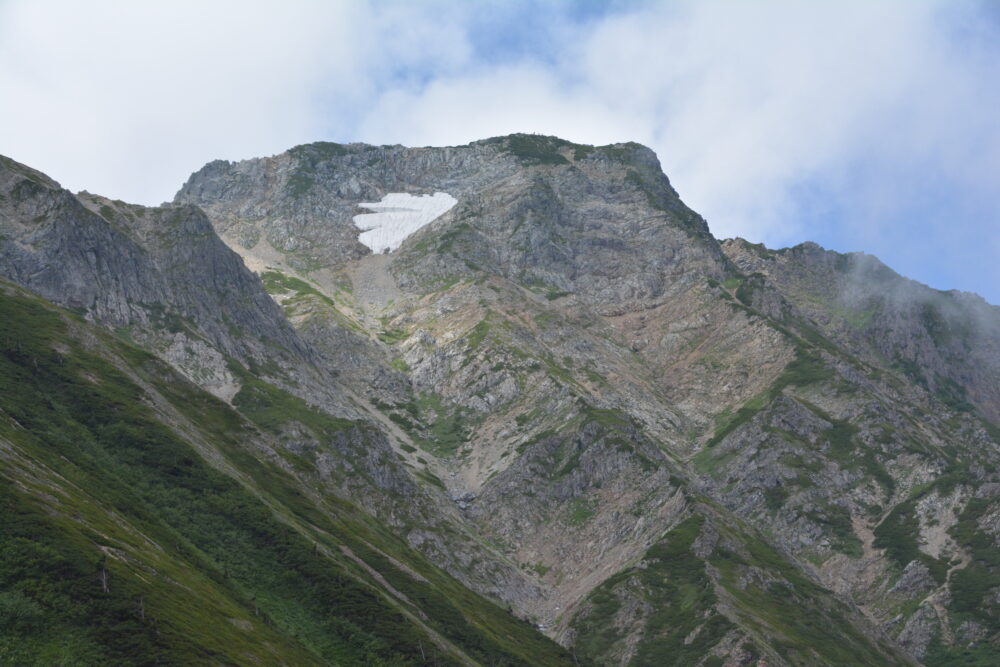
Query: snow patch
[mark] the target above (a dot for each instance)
(397, 216)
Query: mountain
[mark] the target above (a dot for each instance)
(145, 520)
(517, 379)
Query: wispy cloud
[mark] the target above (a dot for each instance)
(128, 98)
(863, 125)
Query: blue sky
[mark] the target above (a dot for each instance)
(859, 125)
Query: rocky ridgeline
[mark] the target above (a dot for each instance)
(160, 274)
(947, 342)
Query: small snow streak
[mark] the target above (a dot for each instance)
(397, 216)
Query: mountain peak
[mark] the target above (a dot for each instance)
(542, 149)
(559, 212)
(13, 169)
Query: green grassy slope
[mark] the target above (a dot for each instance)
(687, 603)
(121, 544)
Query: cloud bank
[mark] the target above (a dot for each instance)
(861, 125)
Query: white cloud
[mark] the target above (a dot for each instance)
(524, 98)
(129, 98)
(768, 116)
(744, 102)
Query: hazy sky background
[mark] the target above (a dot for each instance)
(868, 126)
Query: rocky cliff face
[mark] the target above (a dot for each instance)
(946, 342)
(160, 274)
(582, 366)
(661, 448)
(597, 230)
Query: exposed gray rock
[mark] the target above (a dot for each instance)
(160, 270)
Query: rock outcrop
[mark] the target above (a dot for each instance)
(159, 274)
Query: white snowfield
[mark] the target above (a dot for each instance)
(397, 216)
